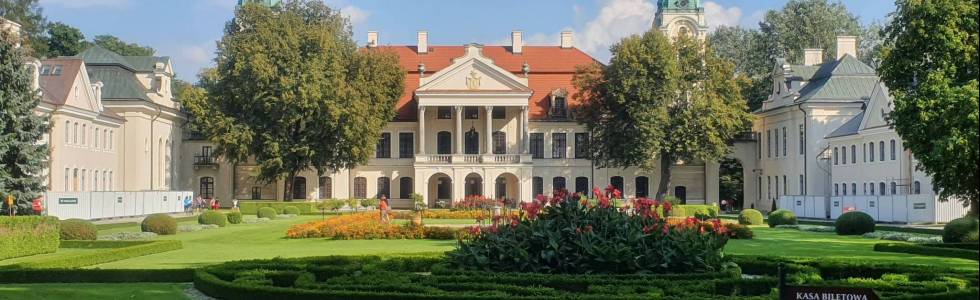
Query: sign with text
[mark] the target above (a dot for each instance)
(826, 293)
(67, 200)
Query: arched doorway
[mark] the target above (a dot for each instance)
(440, 190)
(731, 182)
(473, 184)
(507, 186)
(299, 187)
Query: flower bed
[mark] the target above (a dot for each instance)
(561, 234)
(362, 226)
(374, 277)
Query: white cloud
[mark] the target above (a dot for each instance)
(86, 3)
(189, 59)
(717, 15)
(356, 14)
(616, 19)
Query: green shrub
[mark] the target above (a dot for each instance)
(290, 210)
(925, 249)
(113, 251)
(28, 235)
(372, 202)
(95, 275)
(78, 229)
(267, 212)
(781, 217)
(235, 217)
(961, 230)
(750, 217)
(252, 207)
(332, 204)
(739, 231)
(854, 223)
(212, 218)
(441, 232)
(160, 224)
(678, 211)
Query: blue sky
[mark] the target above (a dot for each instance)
(187, 30)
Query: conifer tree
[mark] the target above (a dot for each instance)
(22, 152)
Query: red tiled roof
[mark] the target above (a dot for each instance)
(552, 67)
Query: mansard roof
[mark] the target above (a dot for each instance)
(118, 73)
(851, 127)
(552, 67)
(845, 79)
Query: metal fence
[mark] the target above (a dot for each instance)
(103, 205)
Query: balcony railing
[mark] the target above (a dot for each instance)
(204, 160)
(472, 158)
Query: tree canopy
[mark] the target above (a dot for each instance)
(660, 102)
(28, 14)
(121, 47)
(292, 91)
(64, 40)
(930, 65)
(22, 153)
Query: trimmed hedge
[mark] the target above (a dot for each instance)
(750, 217)
(290, 210)
(267, 212)
(114, 250)
(162, 224)
(926, 249)
(212, 218)
(95, 275)
(781, 217)
(78, 229)
(252, 207)
(854, 223)
(961, 230)
(694, 210)
(235, 217)
(28, 235)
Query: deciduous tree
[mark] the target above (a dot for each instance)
(121, 47)
(28, 14)
(64, 40)
(292, 91)
(930, 65)
(660, 102)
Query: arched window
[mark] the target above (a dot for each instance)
(105, 139)
(881, 188)
(110, 181)
(785, 186)
(405, 187)
(871, 151)
(95, 138)
(836, 189)
(325, 184)
(617, 182)
(864, 188)
(843, 155)
(854, 154)
(112, 141)
(74, 134)
(892, 149)
(642, 187)
(472, 142)
(681, 193)
(360, 187)
(74, 180)
(105, 181)
(836, 156)
(67, 132)
(871, 188)
(207, 188)
(299, 187)
(67, 179)
(557, 184)
(582, 185)
(84, 132)
(444, 142)
(499, 142)
(384, 187)
(894, 188)
(881, 150)
(854, 188)
(95, 180)
(916, 187)
(537, 186)
(81, 185)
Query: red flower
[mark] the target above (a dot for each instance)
(475, 230)
(588, 228)
(667, 207)
(513, 223)
(532, 209)
(604, 202)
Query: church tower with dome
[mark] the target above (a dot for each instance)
(681, 17)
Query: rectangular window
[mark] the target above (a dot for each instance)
(776, 148)
(406, 144)
(499, 142)
(881, 150)
(444, 112)
(557, 184)
(558, 145)
(582, 185)
(802, 139)
(471, 112)
(854, 154)
(256, 193)
(785, 186)
(893, 149)
(537, 145)
(581, 145)
(802, 185)
(537, 186)
(360, 188)
(784, 141)
(769, 143)
(769, 187)
(383, 149)
(499, 112)
(759, 144)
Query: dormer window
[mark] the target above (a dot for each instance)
(56, 70)
(46, 70)
(559, 104)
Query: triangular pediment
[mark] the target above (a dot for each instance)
(475, 73)
(879, 106)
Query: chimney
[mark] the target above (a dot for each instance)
(516, 42)
(372, 39)
(423, 45)
(12, 28)
(812, 56)
(846, 44)
(567, 40)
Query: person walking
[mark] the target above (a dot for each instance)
(383, 206)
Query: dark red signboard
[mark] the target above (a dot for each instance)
(826, 293)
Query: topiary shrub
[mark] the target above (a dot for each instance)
(750, 217)
(854, 223)
(739, 231)
(160, 224)
(781, 217)
(290, 210)
(78, 229)
(960, 230)
(267, 212)
(235, 217)
(212, 218)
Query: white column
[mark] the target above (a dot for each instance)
(421, 134)
(459, 129)
(489, 131)
(525, 139)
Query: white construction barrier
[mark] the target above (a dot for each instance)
(104, 205)
(805, 206)
(894, 209)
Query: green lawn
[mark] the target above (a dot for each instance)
(102, 291)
